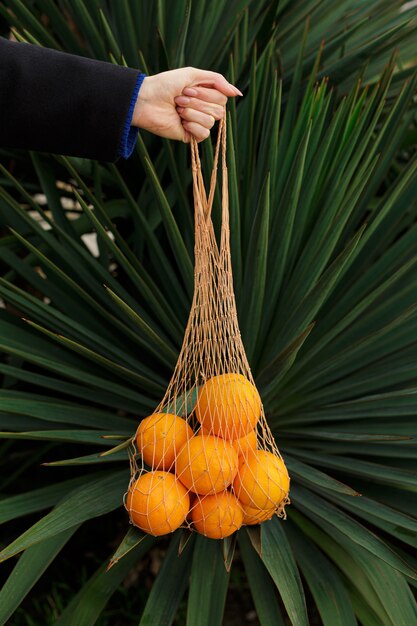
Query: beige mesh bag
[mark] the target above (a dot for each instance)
(206, 458)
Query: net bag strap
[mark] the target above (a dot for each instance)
(203, 205)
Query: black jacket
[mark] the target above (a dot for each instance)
(57, 102)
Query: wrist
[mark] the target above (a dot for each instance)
(143, 103)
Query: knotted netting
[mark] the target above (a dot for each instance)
(206, 458)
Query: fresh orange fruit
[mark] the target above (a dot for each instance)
(157, 503)
(228, 405)
(253, 516)
(243, 445)
(206, 464)
(246, 444)
(262, 480)
(159, 437)
(217, 516)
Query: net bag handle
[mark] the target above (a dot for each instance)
(203, 204)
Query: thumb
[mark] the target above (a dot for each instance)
(205, 78)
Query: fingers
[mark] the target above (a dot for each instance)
(208, 108)
(202, 102)
(208, 100)
(191, 115)
(196, 122)
(186, 136)
(196, 130)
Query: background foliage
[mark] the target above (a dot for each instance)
(323, 186)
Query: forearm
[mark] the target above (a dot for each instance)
(56, 102)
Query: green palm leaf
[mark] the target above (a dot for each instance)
(322, 182)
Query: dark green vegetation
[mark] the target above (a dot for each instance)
(323, 189)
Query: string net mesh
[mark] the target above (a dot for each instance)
(206, 457)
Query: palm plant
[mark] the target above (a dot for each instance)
(323, 225)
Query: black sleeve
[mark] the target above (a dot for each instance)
(62, 103)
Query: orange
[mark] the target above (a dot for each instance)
(159, 437)
(206, 464)
(157, 503)
(262, 480)
(243, 445)
(253, 516)
(228, 406)
(217, 516)
(246, 444)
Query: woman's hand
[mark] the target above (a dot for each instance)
(181, 103)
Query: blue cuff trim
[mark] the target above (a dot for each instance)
(130, 133)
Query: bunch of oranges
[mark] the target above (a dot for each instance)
(214, 479)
